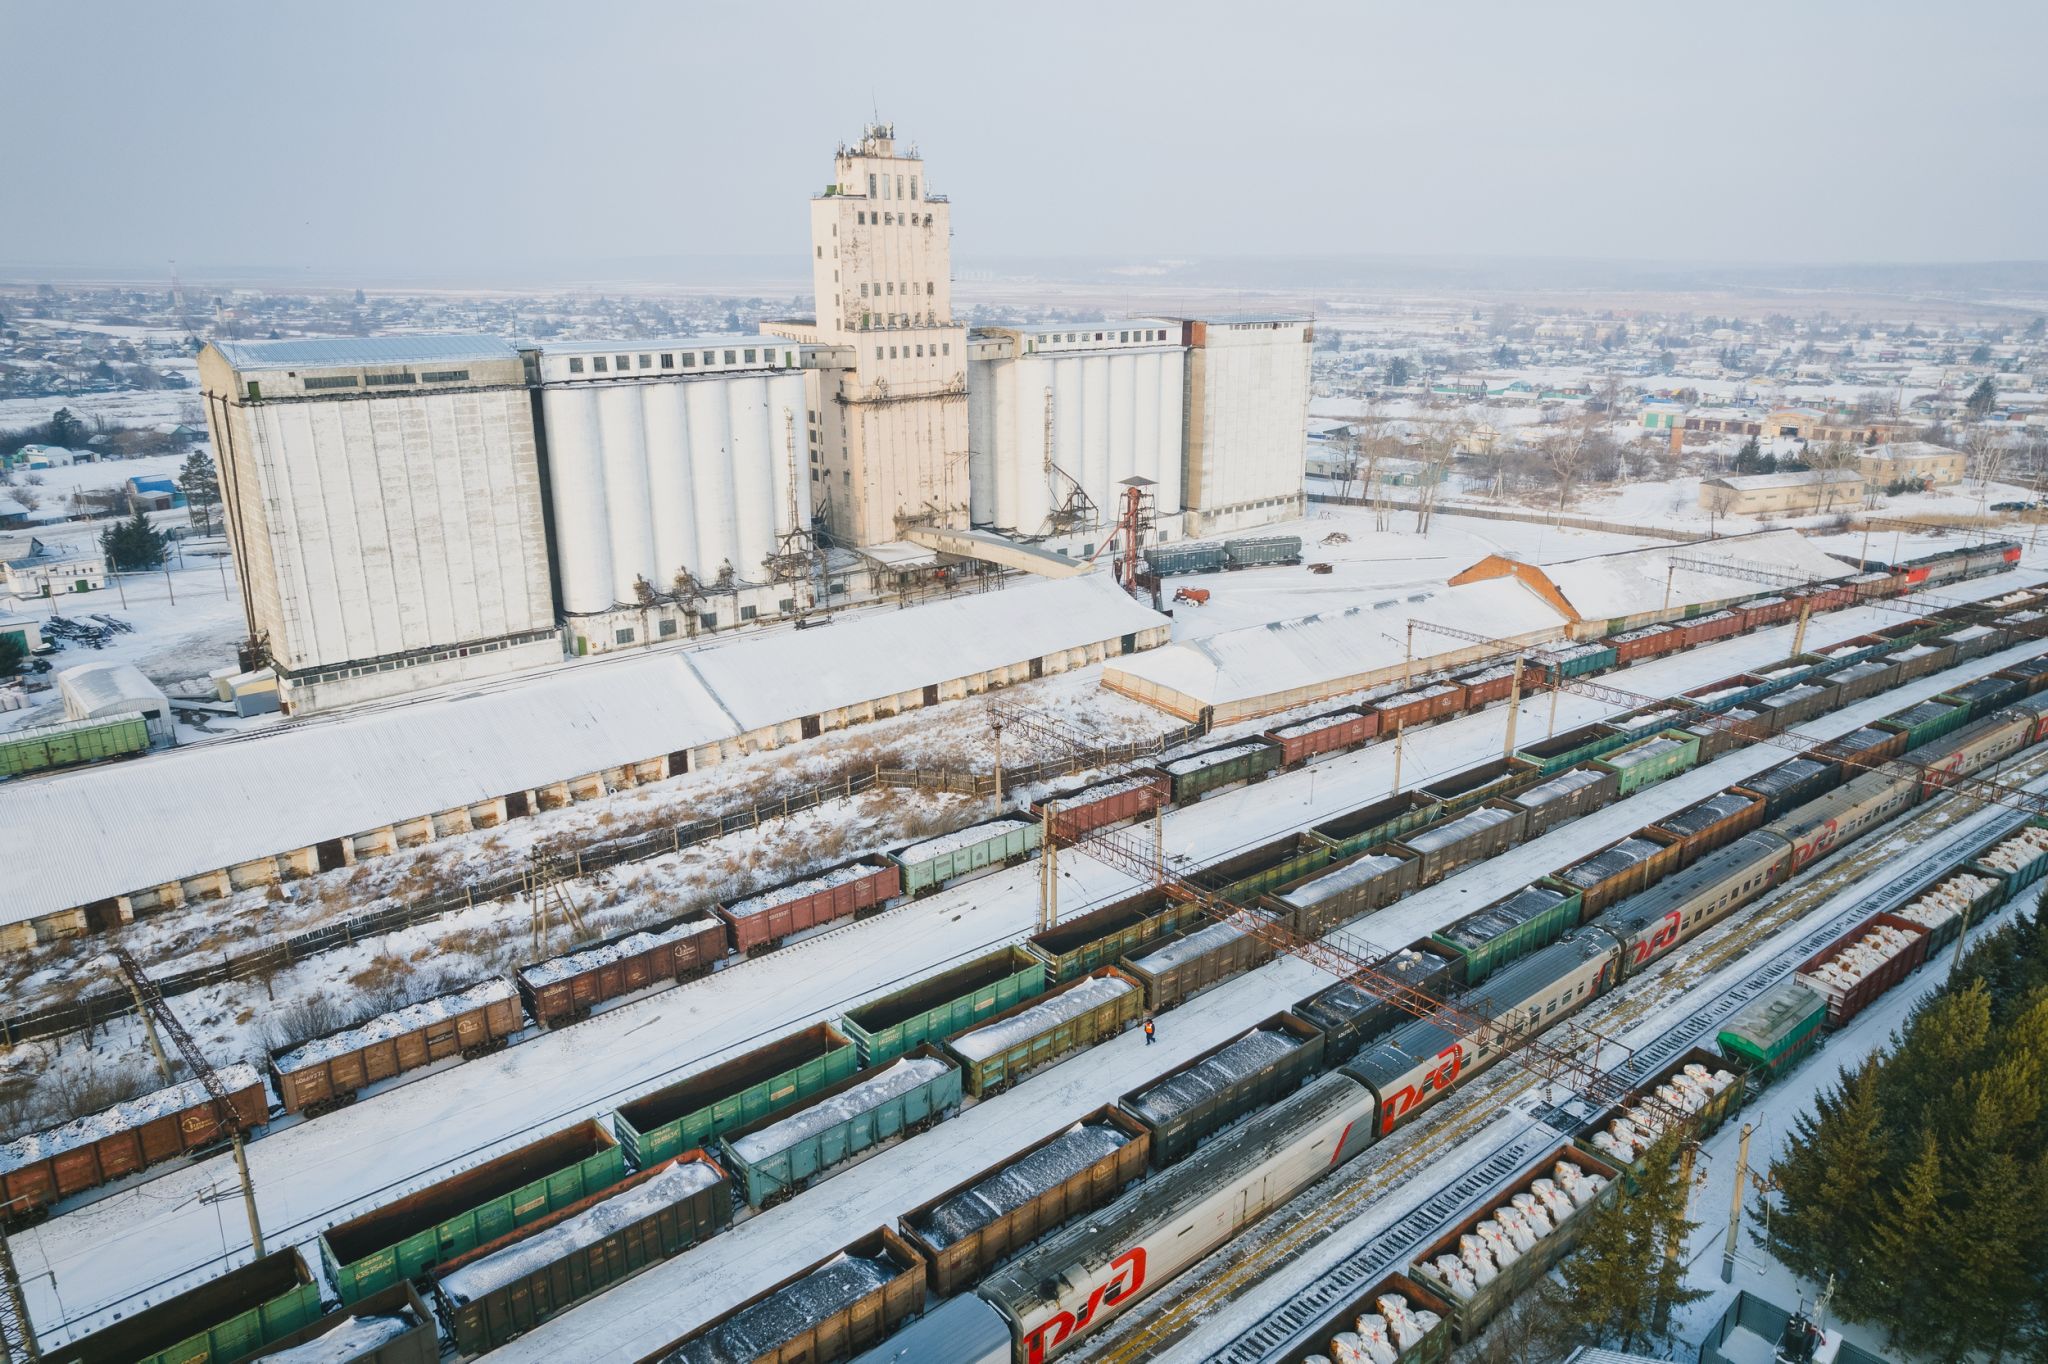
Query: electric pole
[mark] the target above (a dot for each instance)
(17, 1332)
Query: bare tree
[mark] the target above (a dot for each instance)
(1437, 450)
(1989, 453)
(1564, 454)
(1829, 459)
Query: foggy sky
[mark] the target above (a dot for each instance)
(419, 136)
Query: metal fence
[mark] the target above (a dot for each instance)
(260, 963)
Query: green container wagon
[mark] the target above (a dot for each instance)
(998, 1052)
(403, 1240)
(222, 1320)
(1775, 1029)
(1270, 549)
(1649, 761)
(1576, 660)
(692, 1113)
(1571, 748)
(1509, 929)
(71, 742)
(2019, 859)
(1244, 877)
(786, 1152)
(933, 863)
(939, 1006)
(1927, 721)
(1105, 936)
(1383, 821)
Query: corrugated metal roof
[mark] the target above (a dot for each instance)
(318, 352)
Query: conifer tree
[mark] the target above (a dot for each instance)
(1826, 1178)
(1904, 1266)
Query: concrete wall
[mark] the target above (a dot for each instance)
(1247, 423)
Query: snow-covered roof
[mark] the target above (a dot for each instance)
(1634, 581)
(781, 677)
(1258, 660)
(92, 690)
(1797, 479)
(320, 352)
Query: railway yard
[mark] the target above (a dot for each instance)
(1573, 914)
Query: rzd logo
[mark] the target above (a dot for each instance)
(1442, 1076)
(1818, 844)
(1661, 940)
(1127, 1278)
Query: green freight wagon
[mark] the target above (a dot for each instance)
(785, 1152)
(1648, 761)
(939, 1006)
(1509, 929)
(2018, 860)
(1927, 721)
(1459, 791)
(1270, 549)
(1775, 1029)
(222, 1320)
(997, 1053)
(1383, 821)
(403, 1240)
(1244, 877)
(417, 1338)
(70, 742)
(691, 1113)
(1571, 748)
(1191, 556)
(1577, 660)
(1105, 936)
(933, 863)
(1985, 695)
(515, 1283)
(1213, 769)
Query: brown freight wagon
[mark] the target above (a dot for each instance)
(1632, 646)
(570, 986)
(2031, 673)
(1861, 750)
(1098, 806)
(1864, 679)
(967, 1229)
(762, 920)
(1846, 999)
(1708, 628)
(880, 1279)
(312, 1077)
(1459, 791)
(1921, 660)
(1563, 797)
(1488, 685)
(1713, 823)
(1766, 611)
(1796, 705)
(1324, 734)
(1474, 836)
(1620, 869)
(1733, 729)
(1176, 968)
(1437, 701)
(38, 1169)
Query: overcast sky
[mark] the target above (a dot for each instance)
(382, 136)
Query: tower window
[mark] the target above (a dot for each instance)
(871, 185)
(750, 357)
(689, 360)
(729, 359)
(860, 216)
(821, 253)
(863, 289)
(920, 352)
(668, 360)
(597, 363)
(647, 362)
(913, 187)
(575, 364)
(929, 289)
(710, 357)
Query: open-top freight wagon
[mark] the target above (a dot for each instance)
(222, 1320)
(845, 1303)
(1104, 804)
(394, 1326)
(763, 920)
(936, 863)
(326, 1072)
(1001, 1050)
(1105, 936)
(694, 1111)
(568, 987)
(938, 1006)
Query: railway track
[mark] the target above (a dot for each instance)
(1322, 1211)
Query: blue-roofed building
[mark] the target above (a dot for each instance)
(155, 494)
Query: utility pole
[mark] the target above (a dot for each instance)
(1688, 1151)
(1507, 748)
(1799, 635)
(547, 896)
(1048, 874)
(996, 723)
(1399, 735)
(153, 1007)
(17, 1332)
(1735, 1205)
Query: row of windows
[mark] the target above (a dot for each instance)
(601, 364)
(331, 381)
(432, 376)
(386, 380)
(881, 183)
(414, 661)
(884, 321)
(866, 219)
(889, 287)
(444, 376)
(1143, 334)
(945, 348)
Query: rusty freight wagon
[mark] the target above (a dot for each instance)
(403, 1240)
(1621, 869)
(1190, 961)
(568, 987)
(1472, 837)
(968, 1229)
(1726, 732)
(1791, 784)
(1863, 963)
(763, 920)
(941, 1005)
(1633, 646)
(509, 1286)
(1708, 628)
(222, 1320)
(693, 1111)
(1713, 823)
(1105, 936)
(1795, 705)
(1002, 1050)
(1103, 804)
(1563, 797)
(1922, 659)
(1860, 750)
(1224, 1083)
(1334, 733)
(1335, 895)
(1422, 706)
(825, 1314)
(1975, 641)
(312, 1077)
(1488, 685)
(38, 1169)
(394, 1326)
(1408, 1324)
(1699, 1083)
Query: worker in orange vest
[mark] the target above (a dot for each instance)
(1149, 1038)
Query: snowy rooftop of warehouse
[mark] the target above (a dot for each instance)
(1261, 659)
(317, 352)
(220, 803)
(781, 677)
(1633, 581)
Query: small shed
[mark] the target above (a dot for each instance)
(93, 691)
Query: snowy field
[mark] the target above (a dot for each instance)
(150, 1239)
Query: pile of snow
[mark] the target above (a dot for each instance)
(1022, 1180)
(797, 890)
(1557, 788)
(534, 1253)
(1465, 826)
(1947, 901)
(352, 1338)
(122, 1117)
(1215, 757)
(397, 1023)
(1636, 1129)
(1315, 726)
(1514, 1227)
(1643, 752)
(843, 1107)
(1163, 959)
(1856, 962)
(962, 838)
(1352, 874)
(1247, 1056)
(1381, 1337)
(577, 963)
(2023, 849)
(1610, 862)
(762, 1329)
(1000, 1036)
